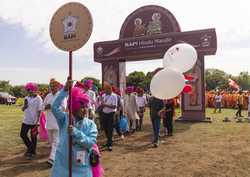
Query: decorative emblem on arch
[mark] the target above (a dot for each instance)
(206, 40)
(147, 21)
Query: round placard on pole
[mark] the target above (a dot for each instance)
(71, 26)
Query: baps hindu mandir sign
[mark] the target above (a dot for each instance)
(138, 48)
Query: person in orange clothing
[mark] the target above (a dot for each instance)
(206, 99)
(234, 100)
(245, 100)
(224, 99)
(239, 104)
(208, 96)
(248, 108)
(230, 100)
(212, 99)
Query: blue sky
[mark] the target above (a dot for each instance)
(24, 58)
(27, 53)
(20, 50)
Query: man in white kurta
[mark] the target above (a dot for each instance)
(131, 108)
(88, 84)
(51, 123)
(141, 102)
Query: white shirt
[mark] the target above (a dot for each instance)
(109, 100)
(218, 98)
(35, 104)
(50, 118)
(141, 101)
(92, 98)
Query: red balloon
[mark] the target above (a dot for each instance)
(188, 77)
(187, 89)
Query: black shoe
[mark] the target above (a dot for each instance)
(50, 162)
(132, 131)
(156, 144)
(31, 156)
(26, 154)
(110, 148)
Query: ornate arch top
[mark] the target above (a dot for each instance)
(147, 21)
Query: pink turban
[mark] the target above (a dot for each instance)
(79, 85)
(88, 83)
(101, 93)
(31, 86)
(139, 90)
(79, 98)
(129, 89)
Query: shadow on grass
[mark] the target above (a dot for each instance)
(133, 143)
(180, 127)
(18, 164)
(142, 140)
(16, 158)
(134, 148)
(21, 168)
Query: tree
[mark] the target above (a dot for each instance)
(96, 82)
(216, 78)
(137, 79)
(18, 91)
(5, 86)
(147, 81)
(243, 80)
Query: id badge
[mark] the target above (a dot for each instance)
(80, 157)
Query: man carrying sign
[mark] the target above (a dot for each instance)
(83, 131)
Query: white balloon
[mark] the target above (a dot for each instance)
(180, 57)
(167, 84)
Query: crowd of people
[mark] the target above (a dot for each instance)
(103, 111)
(222, 99)
(92, 112)
(228, 99)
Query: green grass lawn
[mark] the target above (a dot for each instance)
(10, 123)
(216, 149)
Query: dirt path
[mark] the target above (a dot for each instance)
(195, 150)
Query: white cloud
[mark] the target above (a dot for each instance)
(228, 17)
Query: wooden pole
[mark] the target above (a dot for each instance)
(70, 115)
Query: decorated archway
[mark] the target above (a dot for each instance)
(147, 34)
